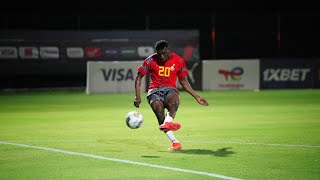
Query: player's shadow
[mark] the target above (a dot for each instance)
(223, 152)
(150, 156)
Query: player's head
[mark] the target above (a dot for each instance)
(162, 49)
(161, 44)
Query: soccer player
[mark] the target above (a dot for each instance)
(165, 67)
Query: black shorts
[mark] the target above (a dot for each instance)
(160, 94)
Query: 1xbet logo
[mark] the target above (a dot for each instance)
(234, 74)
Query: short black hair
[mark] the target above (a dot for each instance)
(161, 44)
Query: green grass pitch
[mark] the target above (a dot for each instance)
(60, 134)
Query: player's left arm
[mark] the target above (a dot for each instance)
(186, 85)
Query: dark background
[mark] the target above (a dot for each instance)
(228, 29)
(246, 29)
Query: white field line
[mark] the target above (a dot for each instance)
(214, 142)
(249, 143)
(121, 160)
(54, 140)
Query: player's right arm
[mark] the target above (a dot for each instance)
(142, 71)
(137, 85)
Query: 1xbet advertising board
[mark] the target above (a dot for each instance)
(286, 73)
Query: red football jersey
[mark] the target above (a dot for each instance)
(164, 73)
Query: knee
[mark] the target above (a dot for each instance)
(173, 105)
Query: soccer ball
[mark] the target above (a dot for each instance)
(134, 119)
